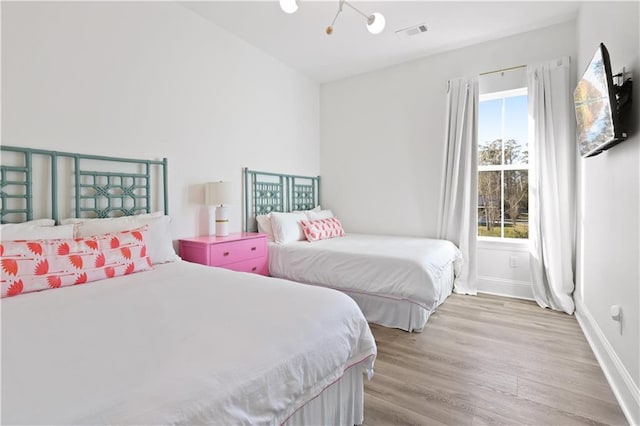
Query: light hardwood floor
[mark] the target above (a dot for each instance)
(489, 360)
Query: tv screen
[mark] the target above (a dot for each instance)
(598, 126)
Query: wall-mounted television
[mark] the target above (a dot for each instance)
(599, 104)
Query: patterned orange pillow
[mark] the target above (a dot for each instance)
(27, 266)
(322, 229)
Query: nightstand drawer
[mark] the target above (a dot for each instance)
(242, 251)
(193, 252)
(258, 265)
(236, 251)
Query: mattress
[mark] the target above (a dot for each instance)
(400, 268)
(183, 343)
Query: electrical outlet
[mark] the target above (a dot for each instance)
(616, 315)
(513, 261)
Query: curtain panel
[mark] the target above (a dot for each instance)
(552, 184)
(458, 215)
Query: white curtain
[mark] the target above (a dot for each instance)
(551, 184)
(458, 212)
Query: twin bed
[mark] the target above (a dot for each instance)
(396, 281)
(180, 343)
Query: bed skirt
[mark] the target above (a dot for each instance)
(341, 403)
(401, 314)
(391, 313)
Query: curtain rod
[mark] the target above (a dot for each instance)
(504, 69)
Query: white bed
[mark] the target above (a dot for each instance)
(184, 344)
(397, 281)
(177, 344)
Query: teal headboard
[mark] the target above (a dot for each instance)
(102, 186)
(266, 192)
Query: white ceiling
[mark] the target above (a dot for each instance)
(299, 39)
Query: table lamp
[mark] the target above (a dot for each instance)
(216, 195)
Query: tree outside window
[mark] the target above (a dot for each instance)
(503, 165)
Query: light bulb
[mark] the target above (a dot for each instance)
(375, 23)
(289, 6)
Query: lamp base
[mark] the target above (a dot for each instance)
(222, 221)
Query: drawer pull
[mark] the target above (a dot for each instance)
(226, 253)
(253, 249)
(254, 269)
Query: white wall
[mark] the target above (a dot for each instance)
(382, 142)
(609, 241)
(153, 80)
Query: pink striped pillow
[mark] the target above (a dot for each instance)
(322, 229)
(27, 266)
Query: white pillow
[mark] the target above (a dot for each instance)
(29, 231)
(315, 209)
(321, 214)
(35, 222)
(264, 224)
(158, 238)
(286, 226)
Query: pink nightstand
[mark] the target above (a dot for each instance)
(243, 251)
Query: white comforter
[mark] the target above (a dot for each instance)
(402, 268)
(183, 343)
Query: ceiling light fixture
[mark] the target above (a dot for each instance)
(375, 21)
(289, 6)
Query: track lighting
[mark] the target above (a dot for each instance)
(375, 21)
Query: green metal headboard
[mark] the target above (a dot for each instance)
(266, 192)
(96, 193)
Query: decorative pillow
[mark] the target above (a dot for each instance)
(322, 229)
(158, 239)
(320, 214)
(286, 226)
(27, 266)
(31, 231)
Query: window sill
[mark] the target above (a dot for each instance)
(509, 244)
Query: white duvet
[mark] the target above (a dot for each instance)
(402, 268)
(183, 343)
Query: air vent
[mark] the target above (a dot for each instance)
(411, 31)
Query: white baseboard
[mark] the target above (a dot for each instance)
(625, 390)
(505, 287)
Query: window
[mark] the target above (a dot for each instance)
(503, 165)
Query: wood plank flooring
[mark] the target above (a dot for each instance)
(489, 360)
